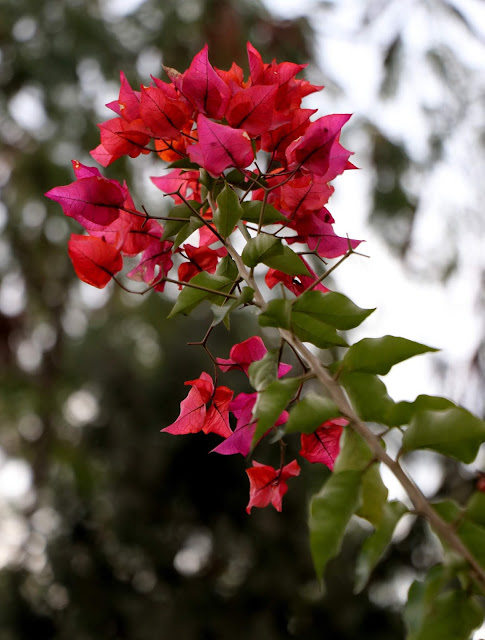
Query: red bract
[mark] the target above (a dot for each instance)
(163, 116)
(194, 416)
(201, 85)
(128, 104)
(185, 182)
(243, 354)
(268, 485)
(92, 199)
(323, 445)
(120, 138)
(253, 109)
(314, 150)
(156, 259)
(296, 284)
(200, 259)
(241, 438)
(94, 261)
(220, 147)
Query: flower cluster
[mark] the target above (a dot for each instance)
(217, 130)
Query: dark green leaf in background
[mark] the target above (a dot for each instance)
(330, 512)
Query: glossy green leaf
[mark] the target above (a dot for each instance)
(227, 268)
(270, 251)
(183, 163)
(221, 313)
(354, 454)
(330, 512)
(235, 177)
(310, 413)
(259, 249)
(454, 432)
(252, 212)
(379, 355)
(475, 509)
(376, 544)
(288, 262)
(172, 227)
(332, 308)
(186, 231)
(368, 395)
(310, 329)
(473, 536)
(263, 372)
(189, 297)
(374, 496)
(448, 616)
(277, 314)
(271, 402)
(228, 212)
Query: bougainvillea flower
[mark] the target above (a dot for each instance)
(164, 117)
(202, 86)
(121, 138)
(243, 354)
(94, 261)
(314, 149)
(92, 199)
(268, 485)
(253, 109)
(278, 140)
(185, 182)
(195, 417)
(241, 438)
(156, 259)
(323, 445)
(220, 147)
(128, 104)
(200, 259)
(296, 284)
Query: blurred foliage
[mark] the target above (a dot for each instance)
(126, 533)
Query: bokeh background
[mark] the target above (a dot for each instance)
(109, 529)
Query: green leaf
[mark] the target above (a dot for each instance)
(263, 372)
(172, 227)
(189, 297)
(252, 212)
(449, 616)
(374, 496)
(332, 308)
(271, 402)
(183, 163)
(475, 509)
(368, 395)
(310, 413)
(277, 314)
(288, 262)
(259, 249)
(221, 313)
(228, 211)
(186, 231)
(310, 329)
(376, 544)
(330, 512)
(454, 432)
(227, 268)
(473, 537)
(403, 412)
(235, 177)
(354, 454)
(271, 252)
(379, 355)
